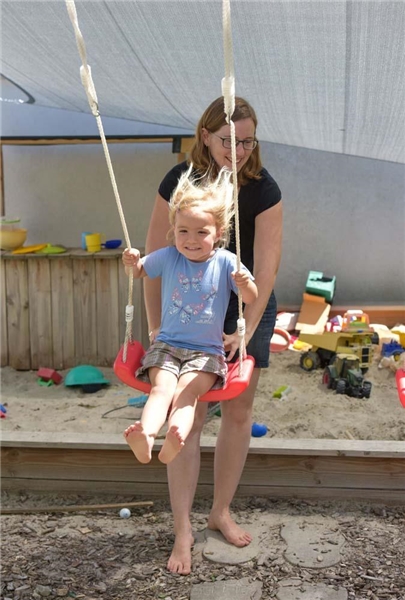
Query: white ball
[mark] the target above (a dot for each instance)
(125, 513)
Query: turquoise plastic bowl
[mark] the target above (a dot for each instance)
(85, 375)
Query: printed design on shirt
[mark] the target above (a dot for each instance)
(207, 316)
(195, 282)
(185, 312)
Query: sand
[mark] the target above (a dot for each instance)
(308, 411)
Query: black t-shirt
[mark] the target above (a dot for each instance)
(254, 198)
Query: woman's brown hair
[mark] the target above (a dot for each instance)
(212, 120)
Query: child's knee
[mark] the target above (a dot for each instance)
(199, 418)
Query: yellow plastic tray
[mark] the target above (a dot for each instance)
(29, 249)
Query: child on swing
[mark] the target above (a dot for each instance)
(187, 358)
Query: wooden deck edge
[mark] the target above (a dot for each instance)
(273, 446)
(383, 314)
(154, 491)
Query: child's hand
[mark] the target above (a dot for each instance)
(241, 279)
(130, 257)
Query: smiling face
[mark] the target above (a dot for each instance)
(195, 234)
(244, 130)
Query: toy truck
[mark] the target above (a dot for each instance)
(356, 337)
(345, 376)
(326, 345)
(357, 321)
(392, 348)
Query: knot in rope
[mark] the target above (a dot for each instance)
(87, 81)
(228, 92)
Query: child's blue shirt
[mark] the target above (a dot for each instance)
(195, 297)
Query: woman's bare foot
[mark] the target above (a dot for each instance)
(180, 558)
(140, 442)
(230, 530)
(172, 445)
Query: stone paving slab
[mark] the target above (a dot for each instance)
(236, 589)
(295, 589)
(218, 550)
(312, 543)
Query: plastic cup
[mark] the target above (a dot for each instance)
(93, 242)
(84, 245)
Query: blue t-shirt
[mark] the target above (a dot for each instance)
(195, 297)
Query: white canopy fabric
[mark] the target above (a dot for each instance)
(326, 75)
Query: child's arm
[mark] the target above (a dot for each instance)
(131, 259)
(246, 286)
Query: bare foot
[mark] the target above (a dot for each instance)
(172, 445)
(140, 442)
(230, 530)
(180, 558)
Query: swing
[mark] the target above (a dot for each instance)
(235, 384)
(129, 357)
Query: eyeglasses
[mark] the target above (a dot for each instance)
(227, 142)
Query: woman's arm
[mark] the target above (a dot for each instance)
(267, 254)
(155, 239)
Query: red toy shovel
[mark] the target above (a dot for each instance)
(400, 377)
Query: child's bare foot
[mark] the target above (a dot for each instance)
(230, 530)
(180, 558)
(140, 442)
(172, 445)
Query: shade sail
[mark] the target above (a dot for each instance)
(323, 75)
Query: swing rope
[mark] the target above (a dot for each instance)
(87, 81)
(228, 92)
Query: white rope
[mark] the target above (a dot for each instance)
(87, 81)
(228, 92)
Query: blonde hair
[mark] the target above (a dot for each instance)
(212, 120)
(214, 197)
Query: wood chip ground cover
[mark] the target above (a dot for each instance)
(97, 555)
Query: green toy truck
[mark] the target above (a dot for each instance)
(345, 376)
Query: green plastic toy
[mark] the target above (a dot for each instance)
(320, 285)
(90, 378)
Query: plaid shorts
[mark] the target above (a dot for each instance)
(181, 360)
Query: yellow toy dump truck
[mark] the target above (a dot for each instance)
(325, 346)
(356, 337)
(345, 376)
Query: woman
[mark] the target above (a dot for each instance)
(260, 214)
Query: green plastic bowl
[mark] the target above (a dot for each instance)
(85, 375)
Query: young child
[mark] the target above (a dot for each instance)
(187, 358)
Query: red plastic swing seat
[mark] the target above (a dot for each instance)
(235, 384)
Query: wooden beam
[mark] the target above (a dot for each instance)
(185, 140)
(28, 510)
(187, 144)
(93, 463)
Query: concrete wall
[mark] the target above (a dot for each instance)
(344, 215)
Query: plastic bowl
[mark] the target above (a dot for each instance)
(111, 244)
(11, 239)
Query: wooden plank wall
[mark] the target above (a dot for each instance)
(68, 309)
(318, 469)
(63, 310)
